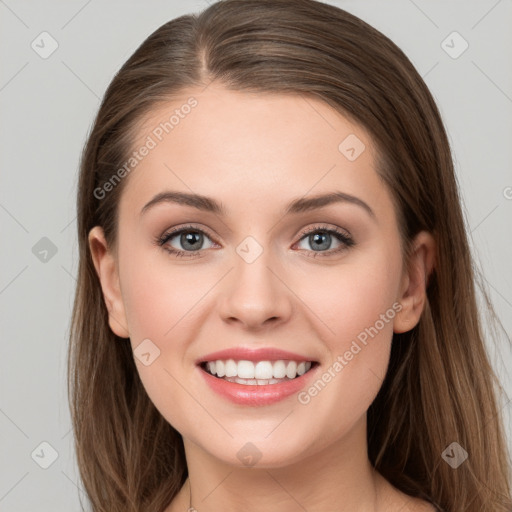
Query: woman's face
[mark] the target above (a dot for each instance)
(257, 275)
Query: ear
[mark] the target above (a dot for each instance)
(414, 282)
(106, 268)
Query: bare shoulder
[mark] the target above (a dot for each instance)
(394, 499)
(418, 505)
(406, 503)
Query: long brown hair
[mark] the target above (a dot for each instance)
(440, 387)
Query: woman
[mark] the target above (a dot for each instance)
(275, 305)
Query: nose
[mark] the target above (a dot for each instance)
(255, 295)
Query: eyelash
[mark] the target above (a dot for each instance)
(345, 239)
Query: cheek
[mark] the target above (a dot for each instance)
(159, 303)
(158, 295)
(353, 296)
(357, 304)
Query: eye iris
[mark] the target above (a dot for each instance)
(317, 236)
(191, 237)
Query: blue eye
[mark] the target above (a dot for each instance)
(191, 240)
(321, 238)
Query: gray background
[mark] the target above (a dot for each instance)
(47, 108)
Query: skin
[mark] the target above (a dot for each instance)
(255, 153)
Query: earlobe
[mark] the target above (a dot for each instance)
(106, 269)
(415, 281)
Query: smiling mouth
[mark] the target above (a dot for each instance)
(257, 373)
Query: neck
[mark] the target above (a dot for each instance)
(339, 477)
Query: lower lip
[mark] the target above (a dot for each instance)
(257, 395)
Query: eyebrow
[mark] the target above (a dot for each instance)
(301, 205)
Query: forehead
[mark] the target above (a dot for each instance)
(256, 148)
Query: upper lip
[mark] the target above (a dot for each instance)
(252, 354)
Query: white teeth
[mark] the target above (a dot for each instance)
(257, 373)
(245, 369)
(263, 370)
(291, 370)
(254, 382)
(250, 382)
(279, 369)
(231, 368)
